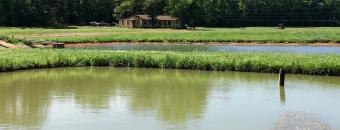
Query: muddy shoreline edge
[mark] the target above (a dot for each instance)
(201, 43)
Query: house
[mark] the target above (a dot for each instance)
(136, 21)
(167, 21)
(146, 21)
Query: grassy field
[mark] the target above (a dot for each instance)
(18, 59)
(116, 34)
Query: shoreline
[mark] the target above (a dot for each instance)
(202, 43)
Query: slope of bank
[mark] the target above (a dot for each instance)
(20, 59)
(4, 44)
(7, 45)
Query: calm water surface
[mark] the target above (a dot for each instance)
(217, 48)
(125, 98)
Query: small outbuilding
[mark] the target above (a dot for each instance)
(146, 21)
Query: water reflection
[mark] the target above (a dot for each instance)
(23, 106)
(172, 96)
(215, 48)
(282, 94)
(175, 96)
(26, 96)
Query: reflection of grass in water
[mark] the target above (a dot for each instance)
(176, 95)
(25, 97)
(22, 106)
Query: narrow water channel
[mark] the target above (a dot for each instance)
(128, 98)
(213, 48)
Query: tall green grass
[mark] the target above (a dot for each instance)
(9, 39)
(19, 59)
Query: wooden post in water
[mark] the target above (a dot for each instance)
(282, 94)
(282, 78)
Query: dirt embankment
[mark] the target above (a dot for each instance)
(4, 44)
(7, 45)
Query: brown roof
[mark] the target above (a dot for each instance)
(144, 17)
(165, 17)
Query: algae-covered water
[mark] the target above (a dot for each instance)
(127, 98)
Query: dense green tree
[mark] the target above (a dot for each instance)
(129, 7)
(186, 10)
(191, 12)
(154, 7)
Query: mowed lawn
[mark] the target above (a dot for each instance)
(86, 34)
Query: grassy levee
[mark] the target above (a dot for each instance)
(20, 59)
(116, 34)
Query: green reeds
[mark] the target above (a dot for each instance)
(313, 64)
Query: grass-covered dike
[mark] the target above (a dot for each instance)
(20, 59)
(81, 34)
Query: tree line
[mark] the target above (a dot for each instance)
(192, 12)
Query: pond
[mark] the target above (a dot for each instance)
(128, 98)
(214, 48)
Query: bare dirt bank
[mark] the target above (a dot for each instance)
(7, 45)
(4, 44)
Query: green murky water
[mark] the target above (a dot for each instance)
(125, 98)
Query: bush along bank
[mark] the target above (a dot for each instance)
(313, 64)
